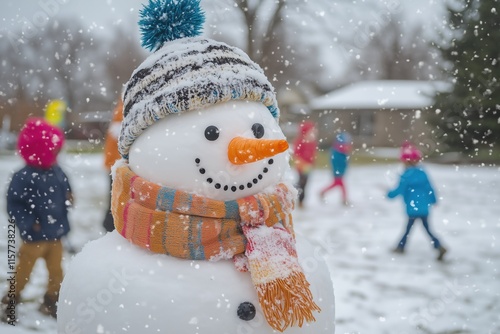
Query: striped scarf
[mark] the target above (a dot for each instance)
(255, 231)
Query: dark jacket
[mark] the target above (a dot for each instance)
(416, 190)
(37, 199)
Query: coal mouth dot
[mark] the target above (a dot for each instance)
(226, 187)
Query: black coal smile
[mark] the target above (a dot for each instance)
(233, 188)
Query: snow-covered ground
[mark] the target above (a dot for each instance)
(376, 291)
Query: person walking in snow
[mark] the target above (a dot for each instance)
(37, 200)
(304, 155)
(340, 150)
(111, 154)
(418, 195)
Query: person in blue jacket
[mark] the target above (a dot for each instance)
(418, 195)
(37, 200)
(340, 151)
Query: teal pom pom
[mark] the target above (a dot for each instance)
(166, 20)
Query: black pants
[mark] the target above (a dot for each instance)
(303, 177)
(108, 222)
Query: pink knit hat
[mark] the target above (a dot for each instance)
(39, 143)
(410, 153)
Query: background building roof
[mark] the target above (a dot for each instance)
(380, 94)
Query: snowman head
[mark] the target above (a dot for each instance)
(199, 115)
(226, 151)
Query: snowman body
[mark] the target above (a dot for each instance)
(114, 286)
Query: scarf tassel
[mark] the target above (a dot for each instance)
(287, 301)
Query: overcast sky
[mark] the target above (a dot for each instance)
(99, 14)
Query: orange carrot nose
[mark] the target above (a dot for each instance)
(245, 150)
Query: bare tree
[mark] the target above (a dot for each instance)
(397, 53)
(73, 65)
(14, 84)
(274, 33)
(65, 61)
(123, 54)
(20, 83)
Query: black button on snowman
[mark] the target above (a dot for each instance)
(246, 311)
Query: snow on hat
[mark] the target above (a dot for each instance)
(186, 72)
(410, 153)
(39, 143)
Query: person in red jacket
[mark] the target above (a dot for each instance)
(304, 155)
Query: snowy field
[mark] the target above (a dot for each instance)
(376, 291)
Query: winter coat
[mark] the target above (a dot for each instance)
(36, 199)
(339, 163)
(416, 190)
(305, 150)
(111, 153)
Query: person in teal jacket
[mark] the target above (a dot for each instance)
(339, 161)
(418, 195)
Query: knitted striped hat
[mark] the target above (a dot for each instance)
(186, 72)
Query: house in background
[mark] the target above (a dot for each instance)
(379, 113)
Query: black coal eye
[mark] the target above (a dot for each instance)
(246, 311)
(212, 133)
(258, 130)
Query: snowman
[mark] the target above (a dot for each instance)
(204, 239)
